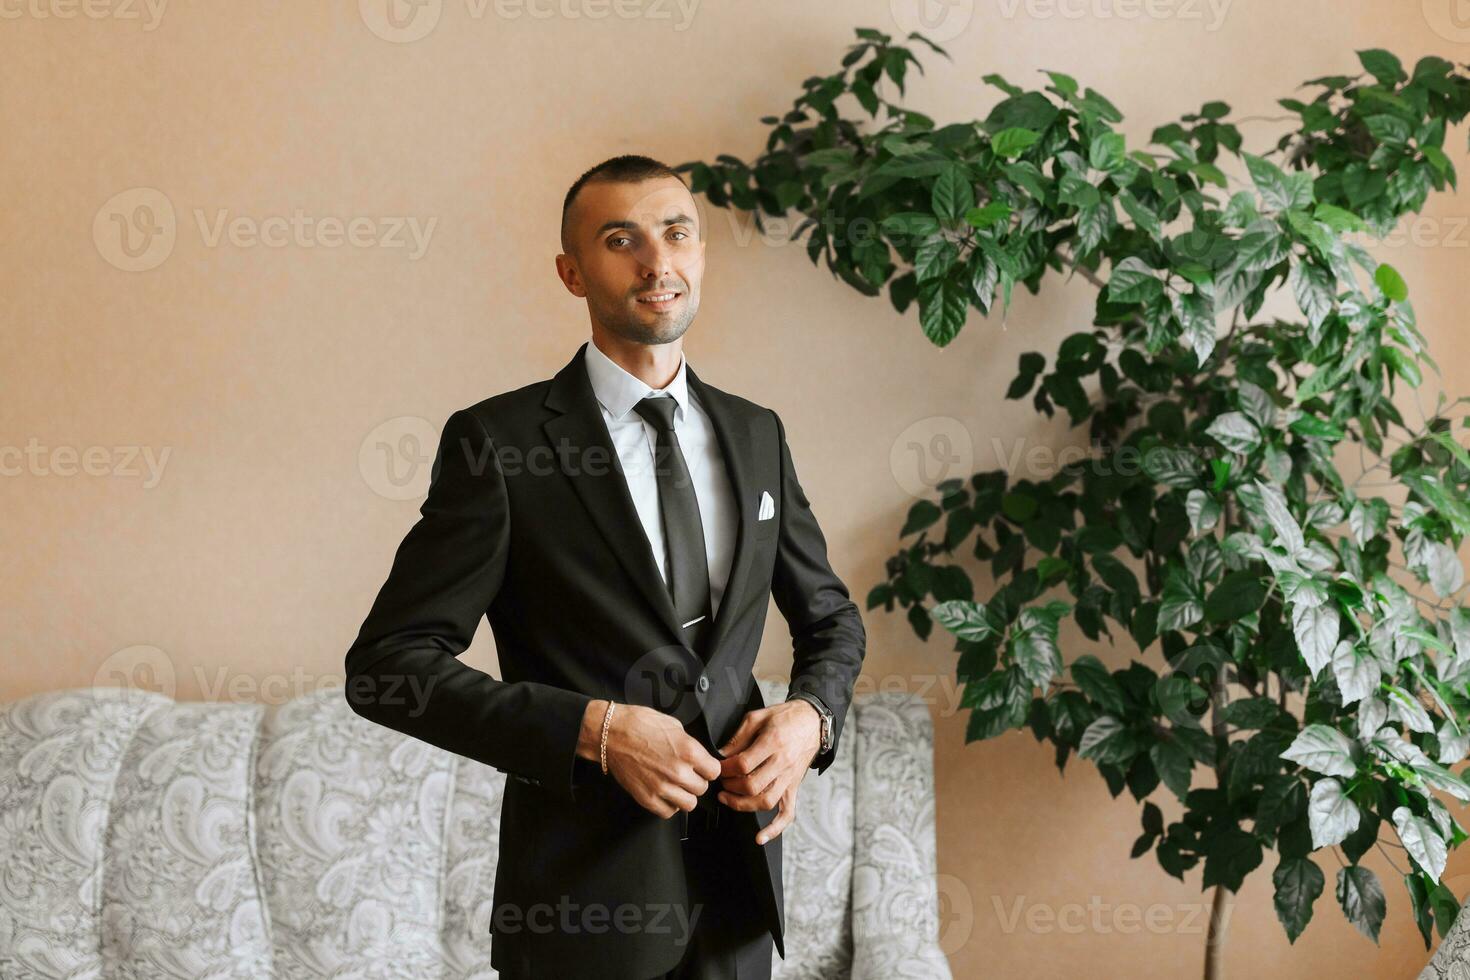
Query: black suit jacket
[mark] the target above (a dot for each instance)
(528, 521)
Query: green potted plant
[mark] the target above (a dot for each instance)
(1298, 632)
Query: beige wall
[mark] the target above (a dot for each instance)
(263, 372)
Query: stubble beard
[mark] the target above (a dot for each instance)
(627, 325)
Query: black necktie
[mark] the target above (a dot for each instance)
(688, 580)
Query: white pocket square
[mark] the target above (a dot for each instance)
(767, 508)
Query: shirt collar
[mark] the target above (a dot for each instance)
(618, 391)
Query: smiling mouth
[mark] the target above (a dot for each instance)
(658, 299)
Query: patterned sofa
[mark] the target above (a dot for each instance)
(146, 838)
(1451, 961)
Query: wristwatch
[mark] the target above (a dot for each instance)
(822, 710)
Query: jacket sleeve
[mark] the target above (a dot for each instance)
(403, 670)
(827, 634)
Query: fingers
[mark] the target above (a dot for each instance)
(672, 799)
(769, 793)
(749, 728)
(691, 780)
(782, 821)
(740, 766)
(706, 765)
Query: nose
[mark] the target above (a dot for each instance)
(658, 263)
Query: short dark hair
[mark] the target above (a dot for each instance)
(628, 168)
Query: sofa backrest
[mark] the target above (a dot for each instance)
(143, 837)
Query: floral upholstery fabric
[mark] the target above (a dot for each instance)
(146, 838)
(1451, 961)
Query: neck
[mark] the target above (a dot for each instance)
(653, 364)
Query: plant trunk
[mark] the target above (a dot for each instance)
(1215, 940)
(1220, 906)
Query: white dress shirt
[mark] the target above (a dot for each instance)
(634, 438)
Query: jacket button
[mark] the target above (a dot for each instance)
(702, 683)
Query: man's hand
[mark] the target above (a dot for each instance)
(766, 759)
(661, 766)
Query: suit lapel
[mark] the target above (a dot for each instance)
(600, 483)
(590, 462)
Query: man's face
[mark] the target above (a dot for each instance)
(633, 242)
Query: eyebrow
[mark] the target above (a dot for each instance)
(678, 219)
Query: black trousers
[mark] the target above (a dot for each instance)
(728, 940)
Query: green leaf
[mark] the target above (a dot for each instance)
(1316, 629)
(1229, 856)
(1106, 151)
(1172, 466)
(1013, 142)
(1035, 651)
(1203, 510)
(989, 214)
(1338, 219)
(1253, 713)
(1299, 882)
(1403, 365)
(1141, 215)
(1019, 507)
(1107, 741)
(1382, 65)
(1323, 749)
(1093, 677)
(1174, 766)
(1133, 282)
(1331, 814)
(1315, 428)
(943, 306)
(921, 515)
(1235, 432)
(966, 620)
(1361, 898)
(1392, 284)
(1283, 801)
(1238, 595)
(1175, 693)
(1421, 840)
(1315, 291)
(953, 193)
(1279, 190)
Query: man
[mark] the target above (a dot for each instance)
(621, 526)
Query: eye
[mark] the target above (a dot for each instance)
(620, 238)
(685, 234)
